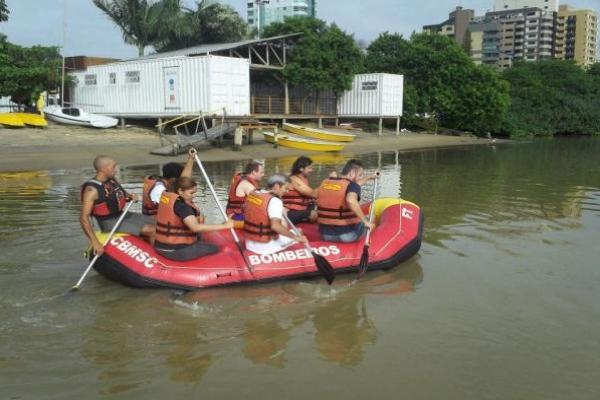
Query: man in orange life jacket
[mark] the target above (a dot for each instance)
(264, 226)
(299, 199)
(154, 186)
(243, 184)
(179, 222)
(340, 217)
(104, 198)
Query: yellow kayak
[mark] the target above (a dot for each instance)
(318, 133)
(32, 119)
(302, 143)
(10, 119)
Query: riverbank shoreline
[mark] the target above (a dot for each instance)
(60, 147)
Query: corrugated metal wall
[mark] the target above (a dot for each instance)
(5, 104)
(373, 95)
(204, 83)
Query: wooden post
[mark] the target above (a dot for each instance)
(237, 138)
(380, 126)
(287, 98)
(275, 137)
(122, 123)
(397, 126)
(337, 122)
(161, 127)
(320, 122)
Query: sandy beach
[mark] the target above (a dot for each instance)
(70, 147)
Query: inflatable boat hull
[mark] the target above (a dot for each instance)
(131, 261)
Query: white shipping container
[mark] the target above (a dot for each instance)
(165, 87)
(373, 95)
(5, 104)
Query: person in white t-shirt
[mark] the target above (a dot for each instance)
(264, 226)
(154, 186)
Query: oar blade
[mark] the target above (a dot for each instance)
(325, 268)
(364, 262)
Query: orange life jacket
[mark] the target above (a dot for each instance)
(257, 224)
(111, 198)
(148, 206)
(294, 200)
(235, 203)
(331, 203)
(170, 229)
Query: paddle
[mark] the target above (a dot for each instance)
(322, 264)
(235, 236)
(110, 235)
(364, 258)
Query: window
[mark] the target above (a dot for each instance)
(369, 85)
(112, 78)
(132, 77)
(74, 112)
(90, 80)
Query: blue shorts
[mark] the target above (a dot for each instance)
(237, 217)
(346, 237)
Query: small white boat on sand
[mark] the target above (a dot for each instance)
(77, 116)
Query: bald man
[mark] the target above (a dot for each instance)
(104, 198)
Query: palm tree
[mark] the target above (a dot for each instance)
(143, 22)
(3, 11)
(210, 22)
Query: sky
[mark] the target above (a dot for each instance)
(91, 33)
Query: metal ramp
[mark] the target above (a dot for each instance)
(193, 132)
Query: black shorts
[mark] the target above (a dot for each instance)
(300, 216)
(186, 253)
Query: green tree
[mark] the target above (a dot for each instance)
(324, 57)
(143, 22)
(552, 97)
(208, 23)
(26, 72)
(594, 70)
(4, 11)
(441, 79)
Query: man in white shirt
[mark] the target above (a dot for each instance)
(264, 226)
(154, 186)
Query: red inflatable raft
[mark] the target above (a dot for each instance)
(133, 262)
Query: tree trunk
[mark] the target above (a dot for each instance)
(141, 48)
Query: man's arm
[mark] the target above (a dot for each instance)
(366, 179)
(352, 200)
(189, 165)
(277, 227)
(303, 188)
(244, 189)
(191, 221)
(90, 195)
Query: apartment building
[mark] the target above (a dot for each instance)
(261, 13)
(455, 27)
(484, 41)
(576, 35)
(544, 5)
(526, 34)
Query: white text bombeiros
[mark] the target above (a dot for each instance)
(292, 255)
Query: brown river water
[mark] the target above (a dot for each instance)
(502, 301)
